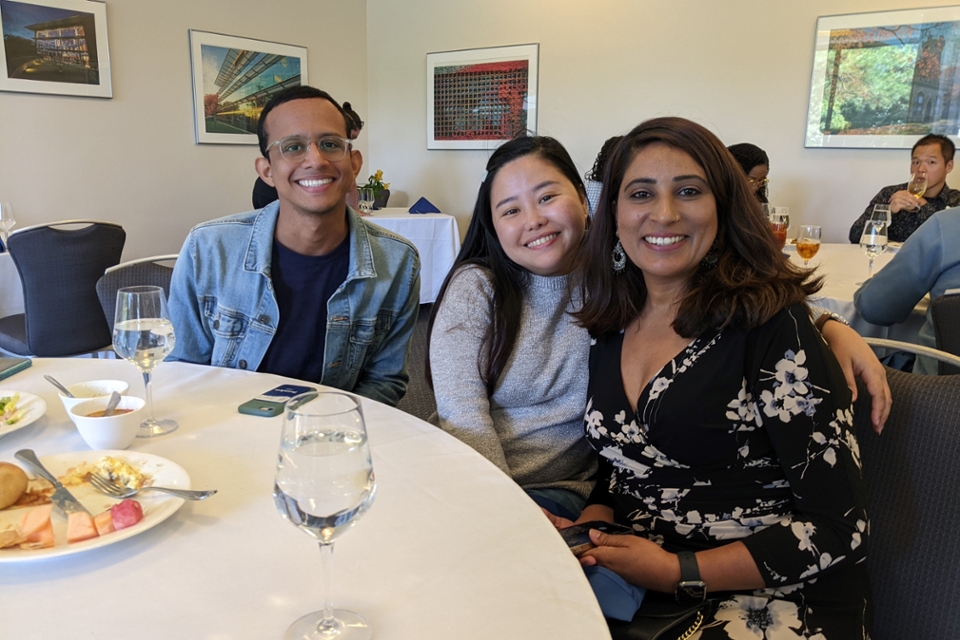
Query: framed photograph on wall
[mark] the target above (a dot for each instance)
(55, 46)
(233, 78)
(884, 79)
(480, 98)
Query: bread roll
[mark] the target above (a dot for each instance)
(13, 484)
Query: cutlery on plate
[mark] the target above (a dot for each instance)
(114, 490)
(61, 497)
(57, 384)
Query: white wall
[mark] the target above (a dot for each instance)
(740, 67)
(133, 159)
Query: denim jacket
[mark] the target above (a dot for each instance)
(225, 313)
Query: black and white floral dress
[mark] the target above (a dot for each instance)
(744, 436)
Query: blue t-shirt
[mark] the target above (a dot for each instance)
(303, 285)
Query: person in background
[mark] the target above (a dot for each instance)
(722, 421)
(928, 262)
(303, 287)
(264, 194)
(594, 177)
(932, 156)
(755, 163)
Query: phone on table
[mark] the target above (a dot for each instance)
(272, 402)
(10, 366)
(577, 537)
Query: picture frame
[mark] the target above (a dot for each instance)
(480, 98)
(884, 79)
(233, 78)
(57, 47)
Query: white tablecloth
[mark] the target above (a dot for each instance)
(845, 266)
(451, 549)
(436, 237)
(11, 289)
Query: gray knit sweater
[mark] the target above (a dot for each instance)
(532, 426)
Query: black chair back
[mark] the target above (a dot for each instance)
(59, 268)
(913, 473)
(144, 272)
(946, 327)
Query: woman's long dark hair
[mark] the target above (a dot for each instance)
(749, 156)
(482, 247)
(751, 282)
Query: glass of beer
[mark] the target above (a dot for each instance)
(808, 242)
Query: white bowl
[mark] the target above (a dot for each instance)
(94, 389)
(108, 432)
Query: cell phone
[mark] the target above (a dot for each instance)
(577, 537)
(272, 402)
(10, 366)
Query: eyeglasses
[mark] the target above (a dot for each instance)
(758, 183)
(295, 148)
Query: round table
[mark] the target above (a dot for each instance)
(451, 548)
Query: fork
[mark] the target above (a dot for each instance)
(114, 490)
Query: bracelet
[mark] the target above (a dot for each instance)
(826, 317)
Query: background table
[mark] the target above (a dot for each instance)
(11, 289)
(436, 237)
(845, 265)
(451, 548)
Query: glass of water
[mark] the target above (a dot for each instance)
(873, 241)
(324, 484)
(143, 334)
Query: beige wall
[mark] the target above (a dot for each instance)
(740, 67)
(133, 159)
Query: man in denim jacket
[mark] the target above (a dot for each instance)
(304, 287)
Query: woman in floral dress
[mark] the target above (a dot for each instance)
(723, 421)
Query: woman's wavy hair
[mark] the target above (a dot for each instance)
(751, 281)
(482, 247)
(749, 156)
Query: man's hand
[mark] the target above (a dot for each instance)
(904, 201)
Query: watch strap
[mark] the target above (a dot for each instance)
(689, 569)
(691, 589)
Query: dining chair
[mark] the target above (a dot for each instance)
(59, 265)
(945, 311)
(419, 400)
(913, 477)
(145, 271)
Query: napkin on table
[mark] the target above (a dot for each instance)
(423, 206)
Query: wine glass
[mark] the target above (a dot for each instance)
(873, 241)
(883, 209)
(143, 334)
(324, 483)
(808, 242)
(365, 200)
(784, 212)
(6, 220)
(778, 225)
(917, 186)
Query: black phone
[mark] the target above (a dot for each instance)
(577, 537)
(272, 402)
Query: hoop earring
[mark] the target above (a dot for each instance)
(619, 258)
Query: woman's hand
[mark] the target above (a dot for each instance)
(857, 358)
(635, 559)
(557, 521)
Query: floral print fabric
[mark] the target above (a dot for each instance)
(744, 436)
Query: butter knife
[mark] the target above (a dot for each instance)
(61, 497)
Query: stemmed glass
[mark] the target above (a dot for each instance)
(808, 242)
(6, 220)
(143, 334)
(917, 186)
(884, 210)
(324, 483)
(873, 241)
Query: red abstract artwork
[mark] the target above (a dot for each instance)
(481, 101)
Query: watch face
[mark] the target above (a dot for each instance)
(691, 592)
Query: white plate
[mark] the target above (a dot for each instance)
(35, 406)
(157, 506)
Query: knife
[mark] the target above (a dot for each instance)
(61, 497)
